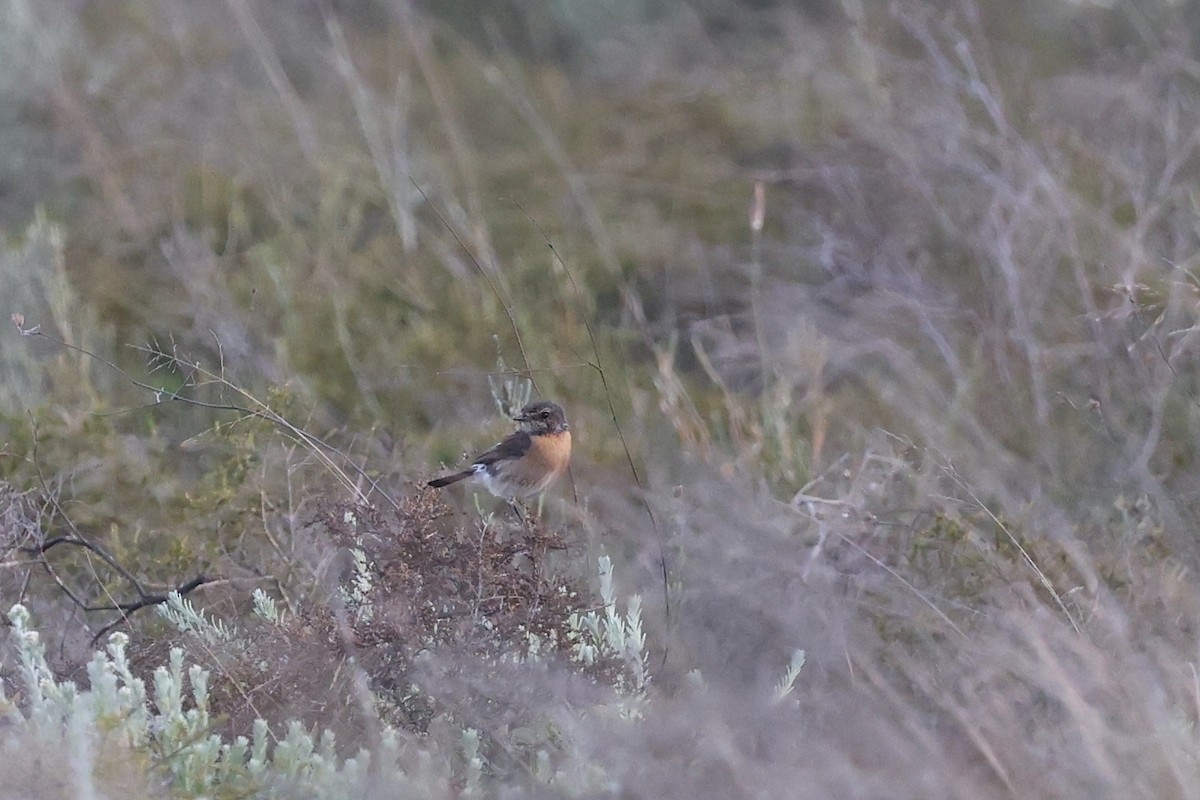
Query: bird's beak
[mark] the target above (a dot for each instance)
(521, 418)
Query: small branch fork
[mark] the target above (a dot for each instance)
(145, 598)
(75, 538)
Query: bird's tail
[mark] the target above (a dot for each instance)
(438, 483)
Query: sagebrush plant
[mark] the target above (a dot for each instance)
(119, 719)
(180, 612)
(170, 727)
(610, 633)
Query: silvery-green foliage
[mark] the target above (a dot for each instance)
(266, 608)
(172, 725)
(510, 391)
(164, 724)
(788, 682)
(473, 761)
(609, 633)
(180, 612)
(356, 592)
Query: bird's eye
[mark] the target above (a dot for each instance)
(545, 415)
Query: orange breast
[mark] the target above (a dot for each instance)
(548, 456)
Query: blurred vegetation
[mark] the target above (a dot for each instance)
(875, 324)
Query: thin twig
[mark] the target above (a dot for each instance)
(504, 303)
(907, 584)
(598, 366)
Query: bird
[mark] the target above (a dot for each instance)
(527, 461)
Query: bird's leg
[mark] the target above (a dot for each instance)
(516, 509)
(531, 543)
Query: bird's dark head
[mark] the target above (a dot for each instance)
(543, 416)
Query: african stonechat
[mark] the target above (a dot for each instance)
(528, 460)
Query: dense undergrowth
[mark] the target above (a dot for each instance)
(875, 325)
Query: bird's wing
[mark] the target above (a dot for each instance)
(514, 445)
